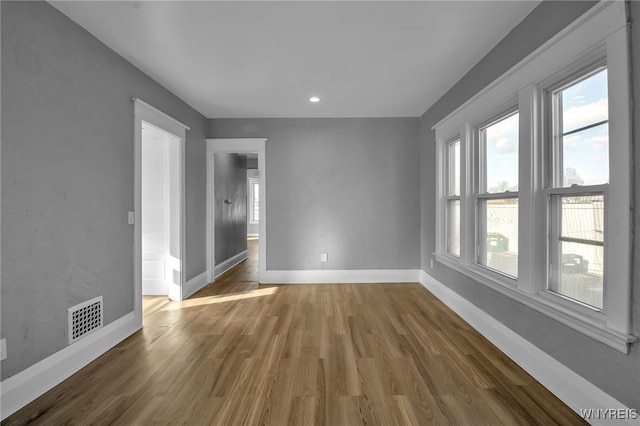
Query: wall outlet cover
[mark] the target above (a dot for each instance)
(3, 349)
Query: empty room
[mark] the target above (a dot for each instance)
(320, 212)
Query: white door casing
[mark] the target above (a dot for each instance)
(177, 277)
(241, 146)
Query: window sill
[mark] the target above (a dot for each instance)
(592, 324)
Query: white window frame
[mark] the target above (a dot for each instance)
(252, 200)
(600, 32)
(450, 194)
(481, 193)
(590, 62)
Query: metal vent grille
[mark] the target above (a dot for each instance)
(84, 318)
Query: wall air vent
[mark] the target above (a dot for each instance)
(84, 319)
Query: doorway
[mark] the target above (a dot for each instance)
(236, 146)
(160, 212)
(158, 217)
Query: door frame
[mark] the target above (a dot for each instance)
(237, 146)
(142, 111)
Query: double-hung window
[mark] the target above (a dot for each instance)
(578, 178)
(534, 180)
(497, 196)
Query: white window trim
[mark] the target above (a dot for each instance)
(449, 196)
(602, 28)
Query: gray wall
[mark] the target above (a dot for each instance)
(67, 177)
(615, 373)
(348, 187)
(634, 8)
(230, 176)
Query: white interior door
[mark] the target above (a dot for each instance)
(155, 211)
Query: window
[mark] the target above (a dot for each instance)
(254, 201)
(453, 197)
(534, 190)
(497, 198)
(578, 179)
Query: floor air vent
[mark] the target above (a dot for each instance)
(84, 318)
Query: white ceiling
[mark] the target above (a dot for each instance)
(265, 59)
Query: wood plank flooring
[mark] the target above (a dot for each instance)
(239, 353)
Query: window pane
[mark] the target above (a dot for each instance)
(254, 200)
(499, 244)
(585, 102)
(585, 156)
(453, 227)
(501, 155)
(454, 155)
(580, 270)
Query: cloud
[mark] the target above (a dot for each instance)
(598, 142)
(506, 146)
(571, 141)
(583, 115)
(584, 141)
(501, 129)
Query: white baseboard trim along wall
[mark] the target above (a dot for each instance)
(195, 284)
(568, 386)
(19, 390)
(229, 263)
(342, 276)
(578, 393)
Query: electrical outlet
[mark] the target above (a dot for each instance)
(431, 260)
(131, 218)
(3, 349)
(324, 257)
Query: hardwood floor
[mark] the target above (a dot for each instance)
(239, 353)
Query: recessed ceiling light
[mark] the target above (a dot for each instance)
(314, 99)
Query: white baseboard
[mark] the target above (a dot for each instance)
(341, 276)
(568, 386)
(195, 284)
(575, 391)
(19, 390)
(229, 263)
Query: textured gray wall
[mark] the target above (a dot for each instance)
(348, 187)
(67, 177)
(230, 176)
(634, 9)
(615, 373)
